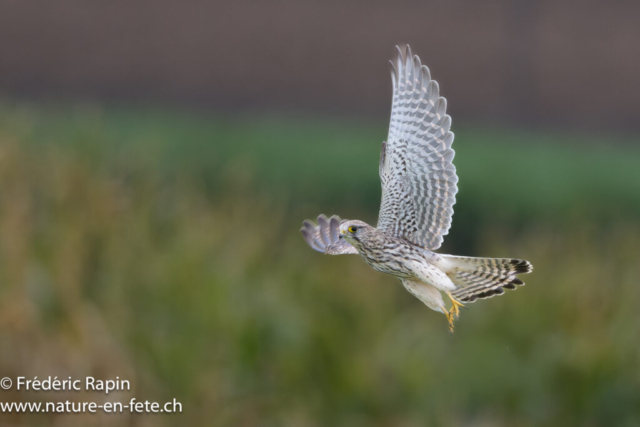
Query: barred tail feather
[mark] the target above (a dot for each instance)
(484, 277)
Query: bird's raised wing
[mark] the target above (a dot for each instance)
(325, 237)
(418, 179)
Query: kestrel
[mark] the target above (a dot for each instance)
(418, 193)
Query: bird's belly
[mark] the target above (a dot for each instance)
(390, 265)
(396, 271)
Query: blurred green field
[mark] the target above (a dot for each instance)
(163, 247)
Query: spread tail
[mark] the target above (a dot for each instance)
(484, 277)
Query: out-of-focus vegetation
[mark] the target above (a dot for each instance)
(164, 249)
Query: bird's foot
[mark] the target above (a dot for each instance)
(455, 306)
(450, 318)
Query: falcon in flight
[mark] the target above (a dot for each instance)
(418, 193)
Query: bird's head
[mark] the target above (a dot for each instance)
(354, 231)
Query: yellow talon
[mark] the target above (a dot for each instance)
(455, 304)
(449, 318)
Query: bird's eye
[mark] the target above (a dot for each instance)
(353, 229)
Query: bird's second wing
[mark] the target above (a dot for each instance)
(325, 237)
(419, 181)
